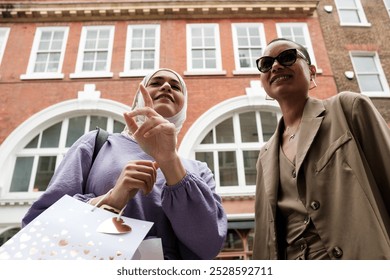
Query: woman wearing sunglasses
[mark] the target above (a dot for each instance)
(323, 185)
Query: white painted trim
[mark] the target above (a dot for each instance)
(80, 55)
(380, 72)
(260, 26)
(30, 74)
(127, 72)
(190, 69)
(5, 39)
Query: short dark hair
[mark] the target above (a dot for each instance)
(300, 47)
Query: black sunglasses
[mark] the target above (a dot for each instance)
(285, 58)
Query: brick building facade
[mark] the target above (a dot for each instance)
(365, 33)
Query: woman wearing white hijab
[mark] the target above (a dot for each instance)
(177, 195)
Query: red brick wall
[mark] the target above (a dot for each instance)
(21, 99)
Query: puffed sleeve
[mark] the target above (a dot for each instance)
(69, 177)
(196, 214)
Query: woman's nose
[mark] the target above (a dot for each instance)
(166, 86)
(276, 65)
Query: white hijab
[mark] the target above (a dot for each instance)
(139, 102)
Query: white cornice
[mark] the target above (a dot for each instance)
(144, 10)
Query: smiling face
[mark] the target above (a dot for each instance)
(166, 92)
(282, 82)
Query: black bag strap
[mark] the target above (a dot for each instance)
(101, 138)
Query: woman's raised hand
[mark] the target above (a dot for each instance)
(156, 136)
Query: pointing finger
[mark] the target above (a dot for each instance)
(131, 124)
(145, 94)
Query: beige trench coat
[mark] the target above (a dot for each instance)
(343, 178)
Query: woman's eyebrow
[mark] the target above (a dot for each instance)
(174, 81)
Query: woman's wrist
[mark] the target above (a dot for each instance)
(173, 170)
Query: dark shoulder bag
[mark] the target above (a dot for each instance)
(101, 138)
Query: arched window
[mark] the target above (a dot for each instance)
(228, 138)
(36, 162)
(231, 148)
(32, 152)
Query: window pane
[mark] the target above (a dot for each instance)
(248, 127)
(149, 43)
(269, 122)
(227, 168)
(206, 157)
(118, 127)
(370, 83)
(51, 136)
(22, 174)
(250, 160)
(46, 166)
(100, 66)
(350, 16)
(87, 66)
(33, 143)
(365, 64)
(135, 64)
(103, 44)
(233, 241)
(149, 64)
(98, 121)
(211, 63)
(224, 131)
(197, 64)
(75, 130)
(208, 139)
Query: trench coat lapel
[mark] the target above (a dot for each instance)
(270, 164)
(310, 124)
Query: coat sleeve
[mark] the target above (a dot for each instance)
(69, 177)
(373, 134)
(196, 214)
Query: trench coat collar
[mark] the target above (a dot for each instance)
(310, 124)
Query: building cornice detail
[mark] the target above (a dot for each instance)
(144, 10)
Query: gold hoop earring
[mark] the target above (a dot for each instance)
(314, 83)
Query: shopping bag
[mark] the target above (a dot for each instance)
(68, 230)
(149, 249)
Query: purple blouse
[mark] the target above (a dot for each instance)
(188, 216)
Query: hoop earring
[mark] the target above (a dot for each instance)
(314, 83)
(267, 97)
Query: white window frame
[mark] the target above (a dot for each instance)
(248, 70)
(3, 41)
(216, 71)
(359, 8)
(30, 74)
(308, 45)
(127, 72)
(387, 5)
(381, 73)
(80, 56)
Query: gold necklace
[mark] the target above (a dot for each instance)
(291, 136)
